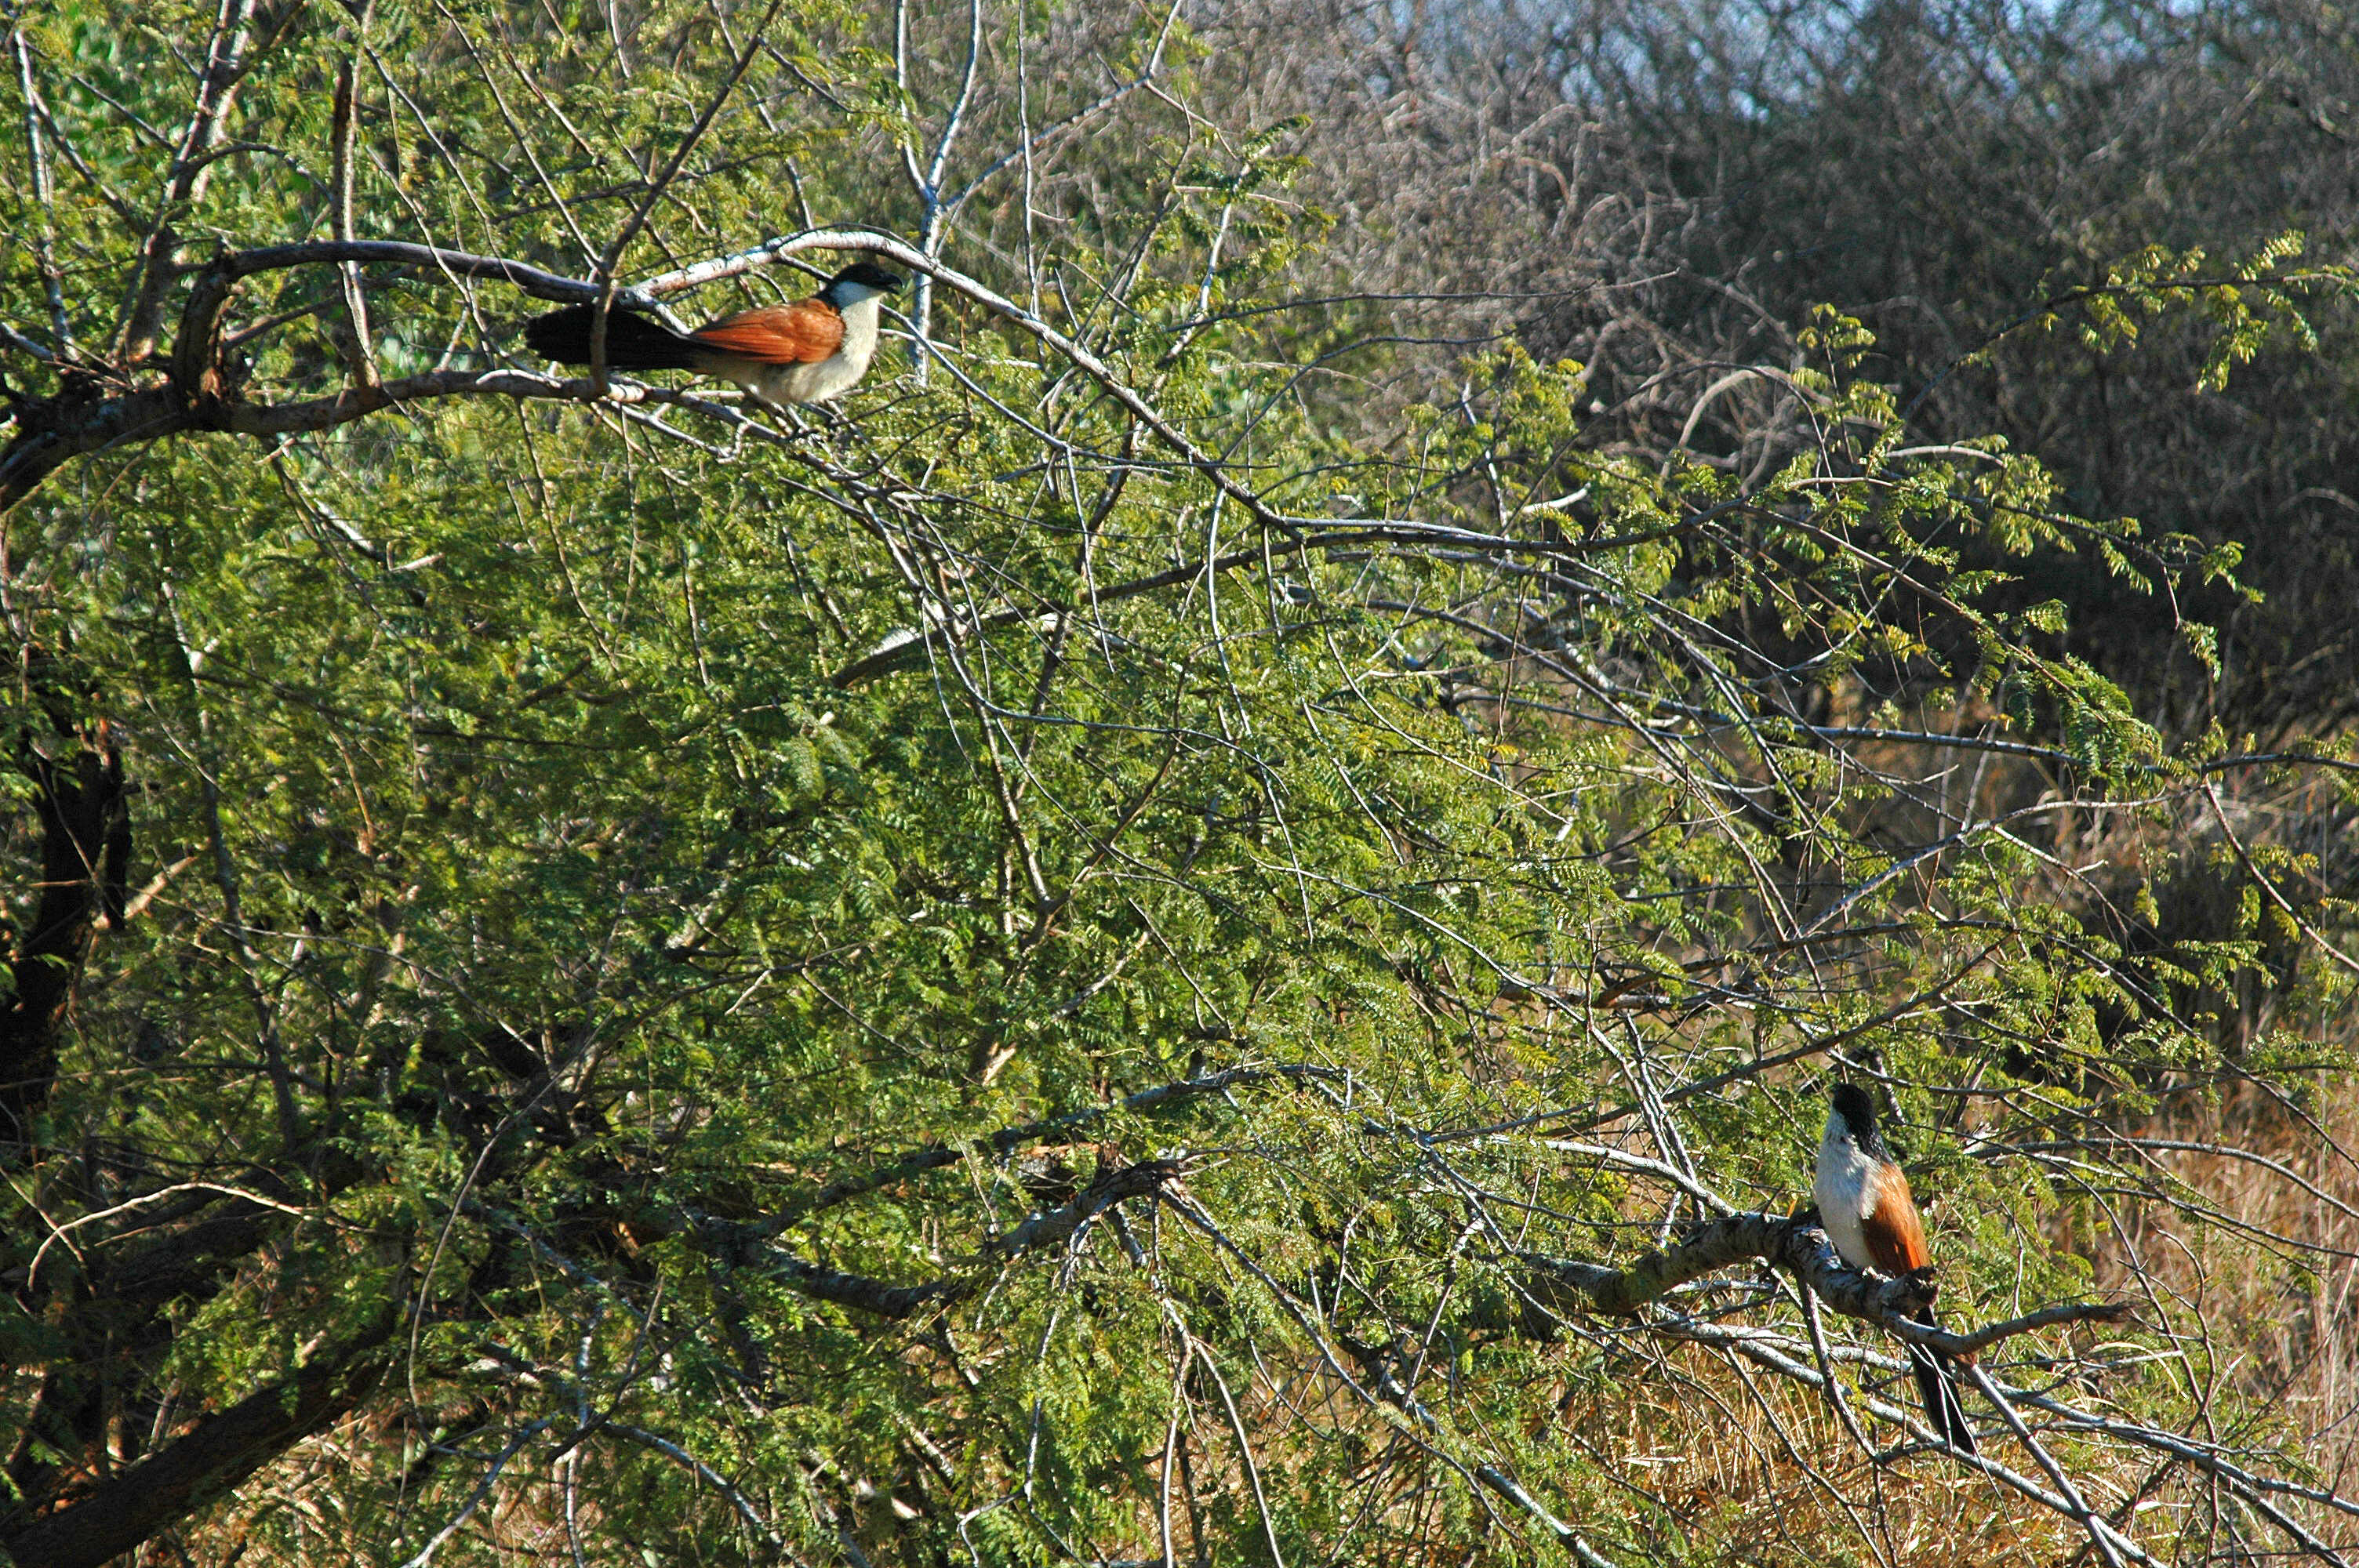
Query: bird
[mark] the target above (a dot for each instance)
(809, 352)
(1871, 1217)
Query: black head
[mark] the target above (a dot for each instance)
(869, 275)
(1851, 1103)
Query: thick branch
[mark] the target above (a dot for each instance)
(55, 430)
(51, 432)
(1055, 1226)
(212, 1457)
(1802, 1249)
(85, 845)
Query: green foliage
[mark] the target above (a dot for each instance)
(2249, 306)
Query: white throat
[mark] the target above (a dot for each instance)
(1846, 1191)
(860, 309)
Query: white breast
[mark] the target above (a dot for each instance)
(832, 377)
(1846, 1195)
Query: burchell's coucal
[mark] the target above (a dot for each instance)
(804, 352)
(1871, 1215)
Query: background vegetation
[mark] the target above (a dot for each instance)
(1436, 616)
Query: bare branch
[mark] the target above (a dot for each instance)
(358, 352)
(228, 60)
(1799, 1246)
(44, 195)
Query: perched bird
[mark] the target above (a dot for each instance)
(805, 352)
(1871, 1217)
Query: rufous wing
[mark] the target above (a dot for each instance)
(1895, 1235)
(802, 333)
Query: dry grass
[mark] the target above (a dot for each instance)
(2278, 1284)
(1763, 1470)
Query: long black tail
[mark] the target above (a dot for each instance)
(1938, 1387)
(632, 341)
